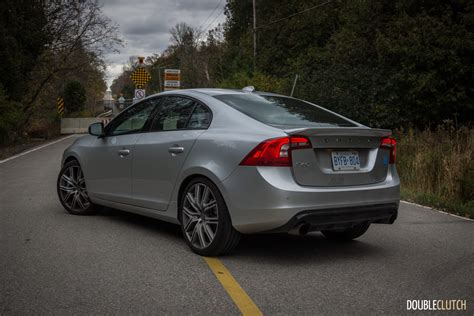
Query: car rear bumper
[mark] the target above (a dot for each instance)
(339, 218)
(267, 199)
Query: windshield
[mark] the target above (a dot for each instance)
(283, 111)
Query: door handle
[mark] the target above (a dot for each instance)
(176, 150)
(124, 152)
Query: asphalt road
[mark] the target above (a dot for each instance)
(53, 262)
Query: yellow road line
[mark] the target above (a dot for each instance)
(232, 287)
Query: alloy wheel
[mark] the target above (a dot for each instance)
(200, 217)
(72, 189)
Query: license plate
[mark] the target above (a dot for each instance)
(345, 160)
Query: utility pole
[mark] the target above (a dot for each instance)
(254, 37)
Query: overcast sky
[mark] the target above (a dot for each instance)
(144, 25)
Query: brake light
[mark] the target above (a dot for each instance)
(275, 152)
(390, 142)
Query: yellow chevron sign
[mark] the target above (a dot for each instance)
(140, 77)
(60, 105)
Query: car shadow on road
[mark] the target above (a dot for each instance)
(287, 249)
(150, 224)
(282, 248)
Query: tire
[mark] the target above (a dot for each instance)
(72, 192)
(347, 234)
(205, 221)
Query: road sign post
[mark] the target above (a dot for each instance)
(140, 77)
(172, 79)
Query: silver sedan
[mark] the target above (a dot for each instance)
(222, 163)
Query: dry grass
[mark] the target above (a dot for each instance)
(436, 168)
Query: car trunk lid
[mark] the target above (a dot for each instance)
(340, 156)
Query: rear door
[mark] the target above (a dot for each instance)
(160, 153)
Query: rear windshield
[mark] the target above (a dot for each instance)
(282, 111)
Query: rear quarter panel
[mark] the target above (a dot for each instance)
(219, 150)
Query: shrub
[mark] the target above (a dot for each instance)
(74, 97)
(436, 167)
(10, 118)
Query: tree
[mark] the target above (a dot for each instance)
(383, 63)
(11, 115)
(45, 44)
(123, 84)
(184, 46)
(74, 97)
(22, 41)
(73, 26)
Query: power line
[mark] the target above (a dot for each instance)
(215, 18)
(213, 11)
(294, 14)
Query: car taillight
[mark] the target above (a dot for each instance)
(275, 152)
(391, 143)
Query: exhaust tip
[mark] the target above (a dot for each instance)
(300, 230)
(304, 229)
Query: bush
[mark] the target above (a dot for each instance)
(74, 97)
(436, 167)
(259, 80)
(10, 118)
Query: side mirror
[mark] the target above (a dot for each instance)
(96, 129)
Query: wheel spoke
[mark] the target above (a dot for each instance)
(197, 194)
(200, 235)
(68, 180)
(71, 174)
(212, 221)
(212, 204)
(208, 231)
(205, 196)
(193, 235)
(68, 195)
(84, 195)
(191, 220)
(65, 188)
(74, 200)
(189, 212)
(78, 199)
(192, 202)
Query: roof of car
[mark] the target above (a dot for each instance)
(216, 91)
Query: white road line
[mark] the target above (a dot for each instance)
(35, 149)
(439, 211)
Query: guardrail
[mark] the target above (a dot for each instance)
(77, 125)
(105, 114)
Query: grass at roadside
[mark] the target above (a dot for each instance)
(465, 209)
(436, 168)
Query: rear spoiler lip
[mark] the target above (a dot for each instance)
(339, 131)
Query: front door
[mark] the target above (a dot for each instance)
(108, 170)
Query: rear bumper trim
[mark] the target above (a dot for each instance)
(339, 218)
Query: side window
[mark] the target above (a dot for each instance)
(174, 114)
(201, 118)
(133, 119)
